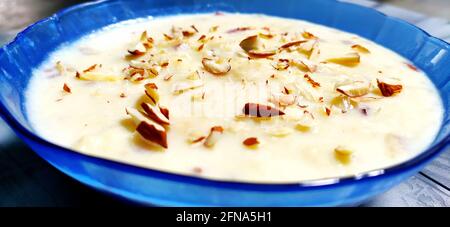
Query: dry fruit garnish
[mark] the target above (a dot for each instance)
(293, 43)
(251, 142)
(354, 90)
(349, 60)
(308, 35)
(154, 112)
(343, 102)
(388, 90)
(138, 50)
(305, 65)
(281, 64)
(360, 49)
(151, 90)
(213, 136)
(412, 67)
(283, 99)
(217, 67)
(260, 110)
(60, 68)
(343, 155)
(149, 130)
(239, 29)
(250, 45)
(313, 83)
(66, 88)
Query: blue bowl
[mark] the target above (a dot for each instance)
(147, 186)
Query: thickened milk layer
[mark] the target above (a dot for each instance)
(236, 97)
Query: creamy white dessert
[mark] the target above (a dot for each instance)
(235, 97)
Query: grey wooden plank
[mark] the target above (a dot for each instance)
(439, 169)
(417, 191)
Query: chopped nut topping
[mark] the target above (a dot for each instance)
(281, 64)
(66, 88)
(354, 90)
(291, 44)
(260, 110)
(389, 89)
(154, 113)
(138, 50)
(361, 49)
(251, 142)
(240, 29)
(283, 99)
(151, 90)
(280, 131)
(149, 130)
(412, 67)
(308, 35)
(60, 68)
(250, 45)
(305, 65)
(90, 68)
(306, 123)
(122, 95)
(313, 83)
(217, 67)
(213, 136)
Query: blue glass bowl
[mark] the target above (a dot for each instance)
(147, 186)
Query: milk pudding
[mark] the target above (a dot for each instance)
(236, 97)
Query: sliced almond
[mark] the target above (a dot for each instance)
(213, 136)
(249, 43)
(138, 50)
(389, 89)
(360, 49)
(149, 130)
(260, 110)
(154, 113)
(98, 76)
(217, 67)
(308, 35)
(151, 90)
(193, 76)
(313, 83)
(293, 43)
(354, 90)
(239, 29)
(305, 65)
(60, 68)
(283, 99)
(349, 60)
(281, 64)
(343, 102)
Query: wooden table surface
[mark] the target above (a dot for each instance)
(27, 180)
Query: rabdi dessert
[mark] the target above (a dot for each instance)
(235, 97)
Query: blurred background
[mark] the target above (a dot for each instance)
(27, 180)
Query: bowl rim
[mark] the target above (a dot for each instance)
(322, 183)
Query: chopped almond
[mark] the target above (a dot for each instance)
(281, 64)
(313, 83)
(361, 49)
(152, 92)
(305, 65)
(280, 131)
(66, 88)
(240, 29)
(251, 142)
(308, 35)
(389, 89)
(261, 53)
(249, 43)
(217, 67)
(60, 68)
(354, 90)
(283, 99)
(154, 113)
(291, 44)
(260, 110)
(213, 136)
(412, 67)
(149, 130)
(138, 50)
